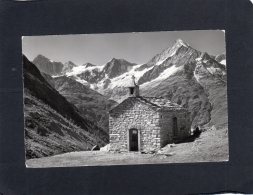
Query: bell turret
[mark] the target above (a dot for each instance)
(133, 88)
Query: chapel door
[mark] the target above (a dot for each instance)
(133, 140)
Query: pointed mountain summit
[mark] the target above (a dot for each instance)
(70, 63)
(68, 67)
(169, 52)
(86, 65)
(116, 67)
(48, 66)
(180, 42)
(174, 57)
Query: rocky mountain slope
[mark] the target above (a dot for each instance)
(67, 67)
(212, 76)
(192, 79)
(117, 67)
(48, 66)
(92, 74)
(91, 104)
(221, 58)
(52, 124)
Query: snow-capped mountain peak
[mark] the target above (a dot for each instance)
(180, 42)
(68, 67)
(113, 60)
(221, 58)
(86, 65)
(177, 45)
(116, 67)
(169, 52)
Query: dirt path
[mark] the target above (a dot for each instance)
(211, 146)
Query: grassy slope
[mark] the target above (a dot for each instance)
(211, 146)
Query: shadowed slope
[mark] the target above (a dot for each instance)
(41, 99)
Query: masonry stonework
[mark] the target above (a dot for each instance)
(134, 115)
(166, 123)
(154, 126)
(146, 123)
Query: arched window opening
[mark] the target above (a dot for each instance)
(175, 128)
(131, 90)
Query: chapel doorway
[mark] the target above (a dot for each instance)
(133, 140)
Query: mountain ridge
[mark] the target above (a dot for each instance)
(48, 66)
(177, 66)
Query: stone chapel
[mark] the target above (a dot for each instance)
(146, 123)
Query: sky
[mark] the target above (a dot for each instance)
(138, 47)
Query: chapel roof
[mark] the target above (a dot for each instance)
(160, 102)
(155, 102)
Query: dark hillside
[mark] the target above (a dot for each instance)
(41, 99)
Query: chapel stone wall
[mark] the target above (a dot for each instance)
(166, 124)
(133, 114)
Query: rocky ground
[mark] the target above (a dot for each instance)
(210, 146)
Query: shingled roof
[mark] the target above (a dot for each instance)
(160, 102)
(155, 102)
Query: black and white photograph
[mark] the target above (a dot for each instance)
(125, 98)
